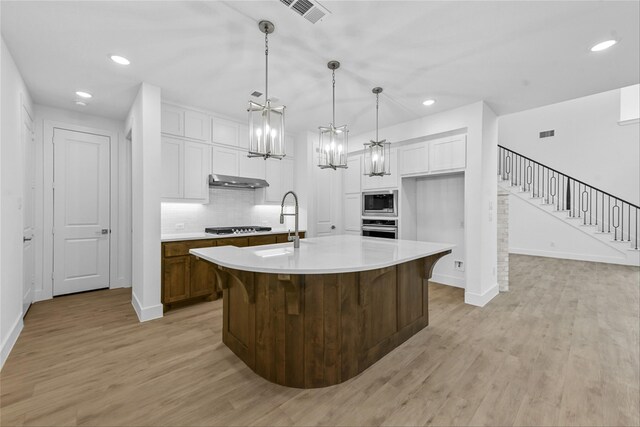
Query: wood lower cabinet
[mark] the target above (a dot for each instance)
(188, 278)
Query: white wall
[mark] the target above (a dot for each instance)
(143, 122)
(14, 96)
(440, 218)
(226, 207)
(479, 123)
(545, 235)
(588, 145)
(120, 262)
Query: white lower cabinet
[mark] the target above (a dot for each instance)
(386, 181)
(224, 160)
(185, 170)
(352, 210)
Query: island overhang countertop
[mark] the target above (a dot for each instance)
(321, 255)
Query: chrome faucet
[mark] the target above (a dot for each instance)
(295, 239)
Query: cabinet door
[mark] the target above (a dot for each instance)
(175, 279)
(262, 240)
(353, 175)
(197, 126)
(233, 241)
(172, 152)
(224, 161)
(352, 212)
(196, 171)
(414, 159)
(274, 176)
(243, 136)
(290, 146)
(225, 132)
(251, 167)
(447, 154)
(202, 277)
(172, 120)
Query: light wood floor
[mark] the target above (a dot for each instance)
(561, 348)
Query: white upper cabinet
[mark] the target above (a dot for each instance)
(172, 151)
(353, 175)
(414, 159)
(251, 167)
(279, 175)
(172, 120)
(197, 126)
(243, 136)
(224, 161)
(196, 171)
(386, 181)
(225, 132)
(436, 156)
(185, 170)
(290, 146)
(448, 154)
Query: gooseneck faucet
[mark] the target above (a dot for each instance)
(296, 238)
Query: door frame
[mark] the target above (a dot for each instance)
(27, 114)
(47, 207)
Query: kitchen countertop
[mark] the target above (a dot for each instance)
(321, 255)
(176, 237)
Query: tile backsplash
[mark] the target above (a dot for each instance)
(227, 207)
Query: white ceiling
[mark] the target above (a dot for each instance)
(514, 55)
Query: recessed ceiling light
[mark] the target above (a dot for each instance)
(429, 102)
(603, 45)
(81, 103)
(85, 95)
(119, 59)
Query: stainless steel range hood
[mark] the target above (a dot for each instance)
(226, 181)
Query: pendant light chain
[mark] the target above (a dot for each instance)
(377, 107)
(266, 68)
(334, 97)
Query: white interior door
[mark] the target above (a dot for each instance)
(28, 211)
(81, 212)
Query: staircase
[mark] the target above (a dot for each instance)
(607, 218)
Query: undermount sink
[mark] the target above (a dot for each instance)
(267, 253)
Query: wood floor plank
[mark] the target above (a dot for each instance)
(561, 348)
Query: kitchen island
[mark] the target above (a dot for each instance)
(321, 314)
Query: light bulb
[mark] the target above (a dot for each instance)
(273, 133)
(340, 148)
(374, 158)
(259, 132)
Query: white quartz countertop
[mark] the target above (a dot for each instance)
(176, 237)
(321, 255)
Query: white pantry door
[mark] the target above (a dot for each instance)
(81, 212)
(28, 211)
(326, 203)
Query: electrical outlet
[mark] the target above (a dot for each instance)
(179, 226)
(552, 244)
(458, 265)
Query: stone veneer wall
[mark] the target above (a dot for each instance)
(503, 240)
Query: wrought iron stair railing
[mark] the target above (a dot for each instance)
(594, 207)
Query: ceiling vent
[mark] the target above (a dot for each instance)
(311, 11)
(547, 133)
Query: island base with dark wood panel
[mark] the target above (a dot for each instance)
(318, 330)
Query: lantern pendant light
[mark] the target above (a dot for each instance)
(266, 122)
(333, 140)
(377, 154)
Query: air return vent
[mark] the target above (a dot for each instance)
(547, 134)
(311, 11)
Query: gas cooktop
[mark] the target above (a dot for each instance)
(240, 229)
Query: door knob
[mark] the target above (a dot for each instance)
(333, 227)
(26, 239)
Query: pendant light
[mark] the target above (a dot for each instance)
(333, 140)
(266, 123)
(377, 153)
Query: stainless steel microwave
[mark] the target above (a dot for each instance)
(380, 203)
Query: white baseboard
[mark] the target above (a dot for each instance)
(146, 313)
(574, 256)
(11, 339)
(448, 280)
(480, 300)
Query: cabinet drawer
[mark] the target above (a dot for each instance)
(262, 240)
(284, 238)
(171, 249)
(234, 241)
